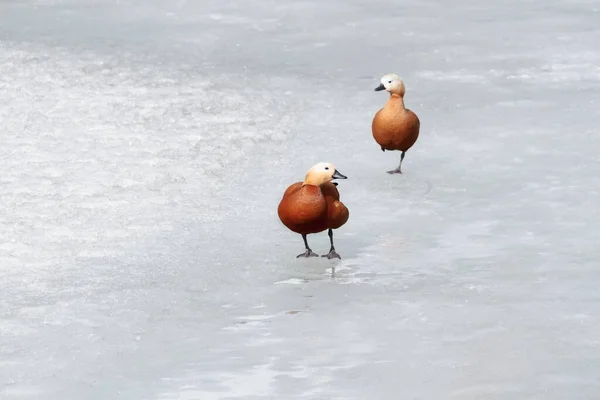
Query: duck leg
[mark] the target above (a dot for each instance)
(398, 170)
(332, 253)
(308, 252)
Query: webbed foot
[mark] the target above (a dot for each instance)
(332, 254)
(307, 253)
(395, 171)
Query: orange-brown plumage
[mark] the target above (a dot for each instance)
(303, 209)
(313, 206)
(312, 209)
(395, 127)
(337, 212)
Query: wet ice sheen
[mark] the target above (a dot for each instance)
(145, 147)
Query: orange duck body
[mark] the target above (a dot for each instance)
(394, 127)
(307, 209)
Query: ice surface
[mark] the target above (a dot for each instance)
(146, 145)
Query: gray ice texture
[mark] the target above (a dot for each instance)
(145, 148)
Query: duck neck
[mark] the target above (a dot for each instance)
(396, 100)
(310, 182)
(313, 179)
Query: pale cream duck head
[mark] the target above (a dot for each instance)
(393, 84)
(321, 173)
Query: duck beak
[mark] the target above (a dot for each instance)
(337, 175)
(380, 87)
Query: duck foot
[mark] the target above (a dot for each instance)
(332, 254)
(395, 171)
(307, 253)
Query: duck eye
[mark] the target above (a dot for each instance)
(326, 168)
(389, 81)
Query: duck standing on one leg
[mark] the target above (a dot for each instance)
(394, 126)
(313, 206)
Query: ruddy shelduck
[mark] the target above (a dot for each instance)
(394, 126)
(314, 205)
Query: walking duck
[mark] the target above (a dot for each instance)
(314, 205)
(394, 126)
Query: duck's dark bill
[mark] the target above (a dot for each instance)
(380, 87)
(337, 175)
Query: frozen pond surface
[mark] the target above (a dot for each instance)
(146, 145)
